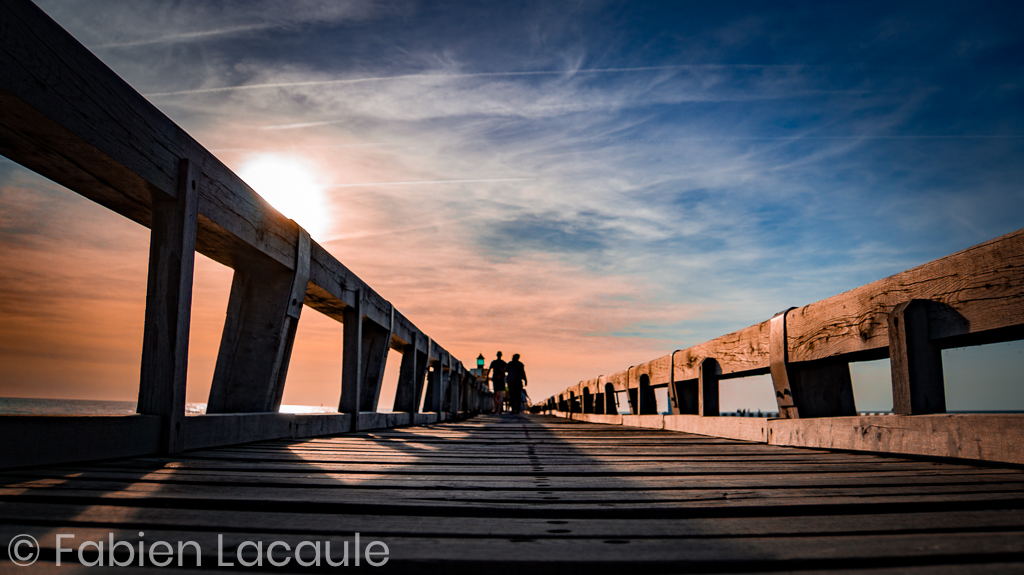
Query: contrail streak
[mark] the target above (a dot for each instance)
(183, 36)
(427, 182)
(468, 75)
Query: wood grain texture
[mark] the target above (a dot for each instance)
(255, 342)
(915, 362)
(972, 292)
(983, 437)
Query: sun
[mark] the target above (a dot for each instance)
(290, 185)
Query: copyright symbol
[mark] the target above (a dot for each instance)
(23, 550)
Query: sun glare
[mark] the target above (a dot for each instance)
(291, 186)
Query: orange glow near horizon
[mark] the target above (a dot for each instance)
(74, 296)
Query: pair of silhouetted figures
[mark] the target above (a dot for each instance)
(508, 379)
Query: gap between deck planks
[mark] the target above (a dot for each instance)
(503, 494)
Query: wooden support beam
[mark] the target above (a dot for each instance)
(707, 387)
(916, 362)
(811, 389)
(436, 385)
(673, 392)
(648, 401)
(452, 393)
(375, 346)
(611, 406)
(588, 401)
(165, 338)
(352, 360)
(779, 356)
(255, 348)
(410, 378)
(687, 397)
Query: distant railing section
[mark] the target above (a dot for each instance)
(972, 297)
(67, 116)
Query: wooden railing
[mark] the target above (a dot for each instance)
(68, 117)
(972, 297)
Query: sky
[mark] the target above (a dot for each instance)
(589, 184)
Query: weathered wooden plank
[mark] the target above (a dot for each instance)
(341, 499)
(214, 430)
(40, 440)
(949, 479)
(742, 352)
(623, 496)
(985, 437)
(745, 428)
(240, 520)
(972, 292)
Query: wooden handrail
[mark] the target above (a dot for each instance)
(67, 116)
(972, 297)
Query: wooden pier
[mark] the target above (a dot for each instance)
(535, 494)
(442, 484)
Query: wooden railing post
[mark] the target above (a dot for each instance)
(352, 359)
(611, 407)
(437, 385)
(916, 362)
(410, 377)
(172, 254)
(778, 351)
(632, 393)
(441, 392)
(648, 401)
(673, 392)
(263, 314)
(454, 383)
(813, 389)
(375, 346)
(599, 402)
(707, 387)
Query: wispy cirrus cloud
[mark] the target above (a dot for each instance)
(611, 179)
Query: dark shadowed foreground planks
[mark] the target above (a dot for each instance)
(538, 494)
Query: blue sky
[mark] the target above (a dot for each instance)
(628, 178)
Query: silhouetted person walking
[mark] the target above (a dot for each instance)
(516, 378)
(497, 372)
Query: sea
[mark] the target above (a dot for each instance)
(39, 406)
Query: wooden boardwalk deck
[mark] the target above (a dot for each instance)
(505, 494)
